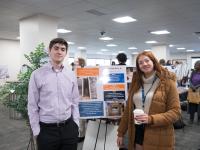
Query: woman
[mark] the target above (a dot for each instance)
(194, 93)
(154, 91)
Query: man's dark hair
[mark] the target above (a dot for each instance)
(58, 40)
(121, 57)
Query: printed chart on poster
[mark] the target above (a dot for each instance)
(103, 91)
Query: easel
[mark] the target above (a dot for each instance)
(100, 135)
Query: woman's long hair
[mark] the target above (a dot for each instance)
(137, 81)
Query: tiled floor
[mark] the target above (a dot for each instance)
(14, 135)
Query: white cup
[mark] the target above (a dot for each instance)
(137, 112)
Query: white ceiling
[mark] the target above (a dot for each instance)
(180, 17)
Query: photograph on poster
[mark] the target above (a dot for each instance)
(87, 87)
(93, 87)
(80, 85)
(114, 108)
(86, 93)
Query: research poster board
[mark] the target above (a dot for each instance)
(103, 91)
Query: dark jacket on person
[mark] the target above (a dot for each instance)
(121, 64)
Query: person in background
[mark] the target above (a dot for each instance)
(122, 58)
(53, 99)
(154, 92)
(194, 93)
(81, 62)
(169, 63)
(162, 62)
(112, 63)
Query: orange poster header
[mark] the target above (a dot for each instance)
(87, 72)
(114, 87)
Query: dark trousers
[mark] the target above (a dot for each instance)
(139, 134)
(192, 109)
(64, 137)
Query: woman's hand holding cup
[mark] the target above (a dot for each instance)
(140, 117)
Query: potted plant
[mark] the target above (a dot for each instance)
(36, 59)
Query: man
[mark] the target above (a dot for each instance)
(53, 102)
(121, 57)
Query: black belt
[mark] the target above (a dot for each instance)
(58, 124)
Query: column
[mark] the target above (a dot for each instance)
(80, 54)
(161, 52)
(133, 59)
(35, 30)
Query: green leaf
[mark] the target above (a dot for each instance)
(36, 60)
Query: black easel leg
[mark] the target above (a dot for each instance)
(97, 135)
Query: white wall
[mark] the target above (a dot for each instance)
(10, 57)
(160, 52)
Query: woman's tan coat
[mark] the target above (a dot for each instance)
(163, 112)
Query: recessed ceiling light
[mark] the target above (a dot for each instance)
(132, 48)
(104, 50)
(80, 47)
(125, 19)
(121, 52)
(180, 48)
(151, 42)
(63, 31)
(70, 43)
(106, 38)
(134, 53)
(147, 50)
(160, 32)
(111, 45)
(171, 45)
(189, 50)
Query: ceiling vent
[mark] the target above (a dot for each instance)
(95, 12)
(197, 34)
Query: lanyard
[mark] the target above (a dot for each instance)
(145, 95)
